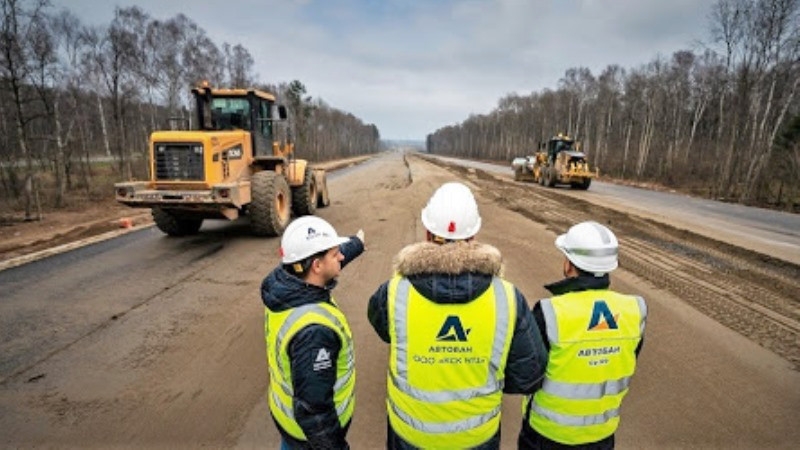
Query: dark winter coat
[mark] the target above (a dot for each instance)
(314, 407)
(456, 273)
(529, 439)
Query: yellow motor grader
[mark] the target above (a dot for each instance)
(238, 161)
(557, 162)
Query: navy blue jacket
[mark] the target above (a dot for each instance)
(314, 408)
(455, 273)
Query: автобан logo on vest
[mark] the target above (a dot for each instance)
(602, 319)
(452, 330)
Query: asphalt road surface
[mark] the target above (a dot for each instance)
(150, 341)
(774, 233)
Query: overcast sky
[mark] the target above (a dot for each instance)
(413, 66)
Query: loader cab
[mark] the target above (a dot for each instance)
(249, 110)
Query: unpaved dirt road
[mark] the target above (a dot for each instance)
(148, 341)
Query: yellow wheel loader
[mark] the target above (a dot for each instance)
(238, 161)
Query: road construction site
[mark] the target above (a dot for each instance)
(152, 341)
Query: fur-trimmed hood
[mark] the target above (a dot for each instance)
(453, 258)
(456, 272)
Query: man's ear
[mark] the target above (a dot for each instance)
(569, 268)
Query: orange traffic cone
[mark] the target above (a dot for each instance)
(125, 222)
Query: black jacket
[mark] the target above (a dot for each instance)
(460, 272)
(529, 439)
(314, 408)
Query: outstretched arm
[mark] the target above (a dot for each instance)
(352, 249)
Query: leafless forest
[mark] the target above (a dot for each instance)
(720, 120)
(71, 94)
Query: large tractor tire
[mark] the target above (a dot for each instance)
(304, 197)
(584, 185)
(270, 206)
(323, 199)
(173, 225)
(552, 177)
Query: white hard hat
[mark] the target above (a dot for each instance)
(452, 212)
(306, 236)
(591, 246)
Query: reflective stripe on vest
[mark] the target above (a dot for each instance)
(593, 336)
(476, 417)
(281, 394)
(449, 427)
(585, 390)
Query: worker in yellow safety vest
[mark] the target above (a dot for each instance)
(459, 334)
(309, 344)
(594, 336)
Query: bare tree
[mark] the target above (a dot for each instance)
(180, 54)
(65, 88)
(202, 58)
(787, 163)
(118, 60)
(20, 23)
(240, 65)
(707, 122)
(776, 44)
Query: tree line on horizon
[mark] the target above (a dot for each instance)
(722, 122)
(70, 93)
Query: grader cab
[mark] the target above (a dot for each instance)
(237, 161)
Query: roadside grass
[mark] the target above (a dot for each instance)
(88, 187)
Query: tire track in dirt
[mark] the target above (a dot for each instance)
(748, 292)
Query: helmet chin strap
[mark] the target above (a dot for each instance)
(436, 239)
(440, 240)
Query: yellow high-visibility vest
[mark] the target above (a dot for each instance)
(447, 365)
(279, 328)
(593, 337)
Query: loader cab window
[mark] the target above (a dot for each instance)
(230, 113)
(264, 123)
(262, 129)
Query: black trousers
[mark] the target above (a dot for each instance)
(529, 439)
